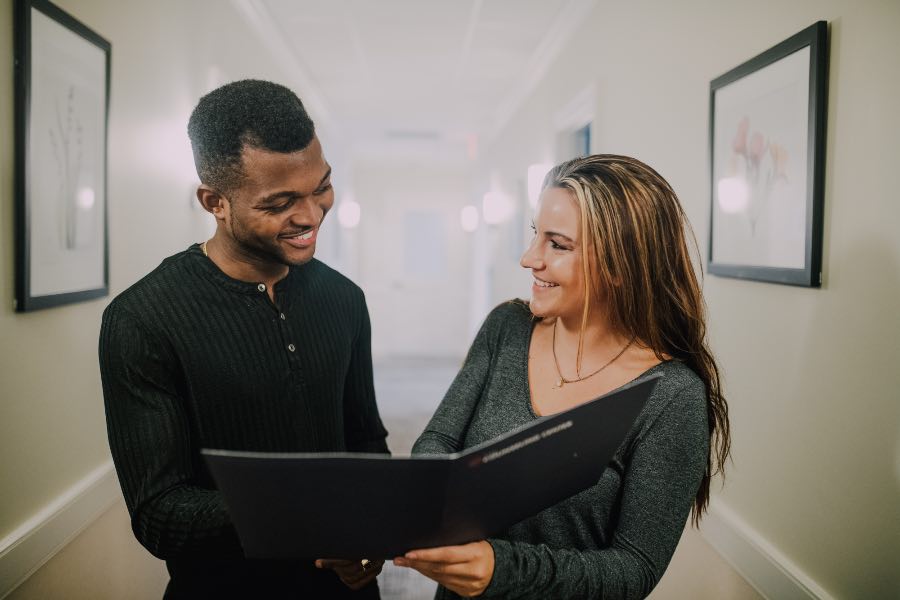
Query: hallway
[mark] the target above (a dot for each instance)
(439, 119)
(408, 392)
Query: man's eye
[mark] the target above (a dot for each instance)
(322, 190)
(277, 208)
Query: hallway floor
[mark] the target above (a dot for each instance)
(408, 392)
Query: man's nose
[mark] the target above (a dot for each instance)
(306, 212)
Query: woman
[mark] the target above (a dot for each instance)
(615, 297)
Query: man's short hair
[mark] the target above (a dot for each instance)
(247, 113)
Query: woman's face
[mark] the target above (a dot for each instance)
(554, 257)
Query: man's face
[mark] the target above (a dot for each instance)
(275, 214)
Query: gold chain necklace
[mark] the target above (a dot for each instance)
(562, 380)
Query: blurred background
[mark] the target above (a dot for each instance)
(440, 118)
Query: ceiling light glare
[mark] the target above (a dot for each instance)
(536, 174)
(496, 208)
(348, 214)
(734, 195)
(468, 218)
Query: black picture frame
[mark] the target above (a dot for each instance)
(62, 80)
(767, 163)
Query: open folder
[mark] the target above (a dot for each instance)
(378, 506)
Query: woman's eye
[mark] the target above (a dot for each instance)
(556, 246)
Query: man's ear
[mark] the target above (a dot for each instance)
(212, 201)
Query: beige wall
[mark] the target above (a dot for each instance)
(811, 374)
(165, 54)
(49, 386)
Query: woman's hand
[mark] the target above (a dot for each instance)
(354, 573)
(466, 570)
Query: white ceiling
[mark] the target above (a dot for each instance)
(414, 72)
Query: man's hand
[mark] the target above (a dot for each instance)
(356, 574)
(466, 570)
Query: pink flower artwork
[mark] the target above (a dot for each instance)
(761, 163)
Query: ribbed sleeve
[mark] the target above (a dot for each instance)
(149, 434)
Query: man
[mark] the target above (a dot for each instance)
(243, 342)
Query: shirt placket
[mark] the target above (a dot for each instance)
(285, 332)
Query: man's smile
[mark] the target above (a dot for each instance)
(301, 239)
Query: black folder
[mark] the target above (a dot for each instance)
(377, 506)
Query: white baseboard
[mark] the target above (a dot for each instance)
(773, 574)
(36, 540)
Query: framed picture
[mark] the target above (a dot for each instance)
(767, 155)
(62, 99)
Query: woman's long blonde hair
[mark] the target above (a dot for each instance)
(636, 260)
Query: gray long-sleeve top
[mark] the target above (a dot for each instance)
(612, 540)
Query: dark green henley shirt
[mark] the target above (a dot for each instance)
(191, 358)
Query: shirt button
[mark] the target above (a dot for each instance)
(261, 287)
(282, 316)
(291, 347)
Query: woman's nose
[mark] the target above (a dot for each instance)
(530, 259)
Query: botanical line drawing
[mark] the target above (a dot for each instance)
(67, 141)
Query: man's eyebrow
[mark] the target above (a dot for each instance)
(290, 194)
(278, 196)
(325, 178)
